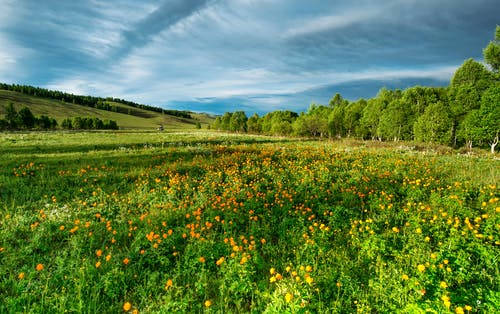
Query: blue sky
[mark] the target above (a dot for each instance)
(226, 55)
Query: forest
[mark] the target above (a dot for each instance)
(465, 113)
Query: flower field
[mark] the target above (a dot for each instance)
(212, 223)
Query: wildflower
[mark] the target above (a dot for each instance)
(169, 284)
(39, 267)
(395, 229)
(421, 268)
(272, 279)
(243, 260)
(108, 257)
(208, 303)
(98, 264)
(21, 276)
(202, 259)
(272, 271)
(61, 227)
(459, 310)
(220, 261)
(288, 297)
(278, 276)
(446, 300)
(443, 285)
(468, 308)
(405, 277)
(127, 306)
(308, 269)
(98, 253)
(126, 261)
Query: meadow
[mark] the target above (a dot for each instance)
(199, 222)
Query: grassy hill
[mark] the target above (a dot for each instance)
(137, 119)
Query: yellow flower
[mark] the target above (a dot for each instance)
(169, 284)
(39, 267)
(468, 307)
(208, 303)
(21, 276)
(459, 310)
(108, 257)
(220, 261)
(272, 271)
(272, 279)
(308, 269)
(395, 229)
(98, 264)
(421, 268)
(288, 297)
(405, 277)
(127, 306)
(202, 259)
(443, 285)
(126, 261)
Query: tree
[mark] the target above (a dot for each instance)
(352, 116)
(254, 124)
(434, 126)
(492, 52)
(395, 121)
(238, 122)
(489, 114)
(26, 118)
(11, 115)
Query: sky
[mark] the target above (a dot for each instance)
(225, 55)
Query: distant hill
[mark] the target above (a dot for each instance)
(128, 115)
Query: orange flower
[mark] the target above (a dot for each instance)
(39, 267)
(202, 259)
(127, 306)
(169, 284)
(21, 276)
(126, 261)
(98, 253)
(98, 264)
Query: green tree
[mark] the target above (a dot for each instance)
(489, 114)
(238, 122)
(352, 117)
(254, 124)
(11, 115)
(434, 126)
(395, 121)
(26, 118)
(492, 52)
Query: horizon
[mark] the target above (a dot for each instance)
(215, 56)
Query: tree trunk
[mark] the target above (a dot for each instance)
(493, 144)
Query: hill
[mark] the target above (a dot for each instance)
(126, 115)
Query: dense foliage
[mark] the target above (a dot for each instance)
(192, 223)
(467, 112)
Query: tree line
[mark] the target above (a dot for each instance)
(24, 119)
(94, 102)
(467, 112)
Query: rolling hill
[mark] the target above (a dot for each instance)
(126, 116)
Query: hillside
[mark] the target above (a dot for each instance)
(138, 118)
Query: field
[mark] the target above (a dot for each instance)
(198, 222)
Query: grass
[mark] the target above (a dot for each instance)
(195, 222)
(143, 120)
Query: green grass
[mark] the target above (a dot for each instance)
(143, 119)
(193, 222)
